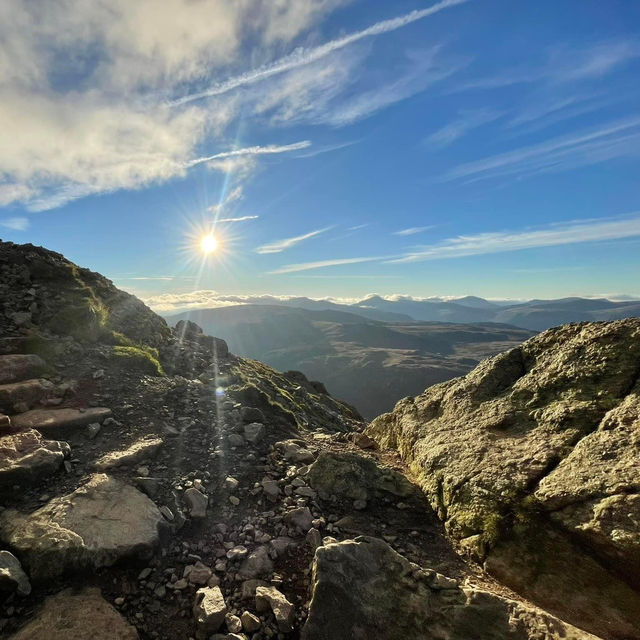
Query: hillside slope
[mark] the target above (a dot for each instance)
(367, 363)
(156, 486)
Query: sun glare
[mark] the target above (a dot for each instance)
(208, 244)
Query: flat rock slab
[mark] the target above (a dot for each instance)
(362, 588)
(29, 392)
(97, 525)
(138, 451)
(27, 458)
(83, 615)
(17, 367)
(59, 422)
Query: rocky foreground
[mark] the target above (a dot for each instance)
(153, 485)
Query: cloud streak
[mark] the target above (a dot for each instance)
(301, 57)
(280, 245)
(238, 219)
(461, 126)
(412, 230)
(250, 151)
(15, 224)
(320, 264)
(574, 232)
(616, 139)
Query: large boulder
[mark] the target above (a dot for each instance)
(97, 525)
(531, 460)
(363, 589)
(349, 475)
(27, 458)
(83, 615)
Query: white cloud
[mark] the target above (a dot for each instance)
(238, 219)
(16, 224)
(320, 264)
(615, 139)
(412, 230)
(301, 57)
(88, 86)
(573, 232)
(233, 196)
(467, 121)
(280, 245)
(250, 151)
(563, 65)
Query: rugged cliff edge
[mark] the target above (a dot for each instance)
(532, 461)
(153, 485)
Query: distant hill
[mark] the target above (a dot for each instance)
(535, 315)
(368, 363)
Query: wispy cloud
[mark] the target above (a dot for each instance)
(358, 227)
(251, 151)
(15, 224)
(573, 232)
(302, 56)
(467, 121)
(280, 245)
(319, 264)
(615, 139)
(233, 196)
(562, 65)
(412, 230)
(238, 219)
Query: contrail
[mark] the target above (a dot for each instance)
(251, 151)
(301, 56)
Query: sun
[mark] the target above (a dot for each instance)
(208, 243)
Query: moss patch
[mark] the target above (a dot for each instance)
(143, 359)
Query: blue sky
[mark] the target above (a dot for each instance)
(334, 147)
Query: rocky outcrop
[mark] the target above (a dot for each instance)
(26, 458)
(95, 526)
(348, 475)
(531, 460)
(362, 588)
(46, 289)
(83, 615)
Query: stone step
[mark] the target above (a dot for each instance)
(22, 396)
(59, 422)
(102, 522)
(19, 366)
(12, 345)
(26, 458)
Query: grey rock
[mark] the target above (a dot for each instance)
(83, 615)
(12, 576)
(100, 523)
(145, 448)
(250, 623)
(300, 518)
(254, 432)
(27, 458)
(382, 595)
(251, 414)
(196, 502)
(256, 564)
(269, 598)
(209, 611)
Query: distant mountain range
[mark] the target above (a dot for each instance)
(536, 315)
(369, 363)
